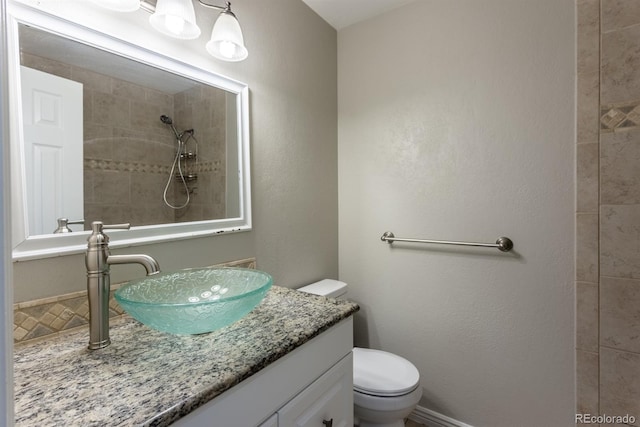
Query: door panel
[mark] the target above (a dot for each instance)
(53, 137)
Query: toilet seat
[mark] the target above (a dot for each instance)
(379, 373)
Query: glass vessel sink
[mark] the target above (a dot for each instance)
(194, 301)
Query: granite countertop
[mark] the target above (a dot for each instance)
(151, 378)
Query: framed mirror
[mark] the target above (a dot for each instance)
(103, 130)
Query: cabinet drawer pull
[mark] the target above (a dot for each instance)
(328, 423)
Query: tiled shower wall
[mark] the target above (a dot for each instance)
(128, 151)
(608, 209)
(203, 108)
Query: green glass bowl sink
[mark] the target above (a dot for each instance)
(194, 301)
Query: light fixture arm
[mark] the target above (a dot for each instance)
(149, 7)
(226, 8)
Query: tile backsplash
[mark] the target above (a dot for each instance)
(43, 317)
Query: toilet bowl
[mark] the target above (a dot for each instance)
(386, 387)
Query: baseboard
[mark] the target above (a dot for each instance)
(431, 418)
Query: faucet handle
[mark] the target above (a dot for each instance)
(98, 226)
(124, 226)
(97, 236)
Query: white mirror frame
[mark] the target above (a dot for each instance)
(42, 246)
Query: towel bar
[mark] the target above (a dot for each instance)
(504, 244)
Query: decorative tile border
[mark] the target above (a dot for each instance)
(616, 117)
(122, 166)
(39, 318)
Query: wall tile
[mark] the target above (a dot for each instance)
(619, 165)
(617, 14)
(587, 382)
(91, 80)
(179, 101)
(620, 240)
(152, 96)
(111, 187)
(111, 214)
(588, 36)
(94, 131)
(587, 316)
(151, 213)
(109, 109)
(588, 107)
(587, 248)
(147, 188)
(147, 116)
(127, 90)
(587, 191)
(89, 195)
(98, 147)
(162, 134)
(619, 383)
(620, 67)
(144, 151)
(87, 107)
(620, 313)
(50, 66)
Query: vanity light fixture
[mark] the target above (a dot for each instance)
(177, 18)
(227, 42)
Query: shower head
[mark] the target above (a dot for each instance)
(168, 121)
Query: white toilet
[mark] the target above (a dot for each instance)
(386, 387)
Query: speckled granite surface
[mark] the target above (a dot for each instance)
(152, 378)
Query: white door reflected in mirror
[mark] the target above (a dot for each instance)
(52, 121)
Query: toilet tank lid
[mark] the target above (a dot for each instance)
(380, 373)
(327, 288)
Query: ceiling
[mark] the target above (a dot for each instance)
(342, 13)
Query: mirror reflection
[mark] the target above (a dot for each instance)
(111, 139)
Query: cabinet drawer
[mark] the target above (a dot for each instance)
(328, 401)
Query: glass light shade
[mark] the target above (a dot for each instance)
(119, 5)
(175, 18)
(227, 42)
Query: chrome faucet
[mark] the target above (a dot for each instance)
(98, 259)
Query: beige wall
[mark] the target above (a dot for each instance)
(608, 208)
(456, 122)
(291, 73)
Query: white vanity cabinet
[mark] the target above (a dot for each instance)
(310, 386)
(328, 402)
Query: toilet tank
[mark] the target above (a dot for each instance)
(327, 288)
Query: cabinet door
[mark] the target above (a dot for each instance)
(328, 401)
